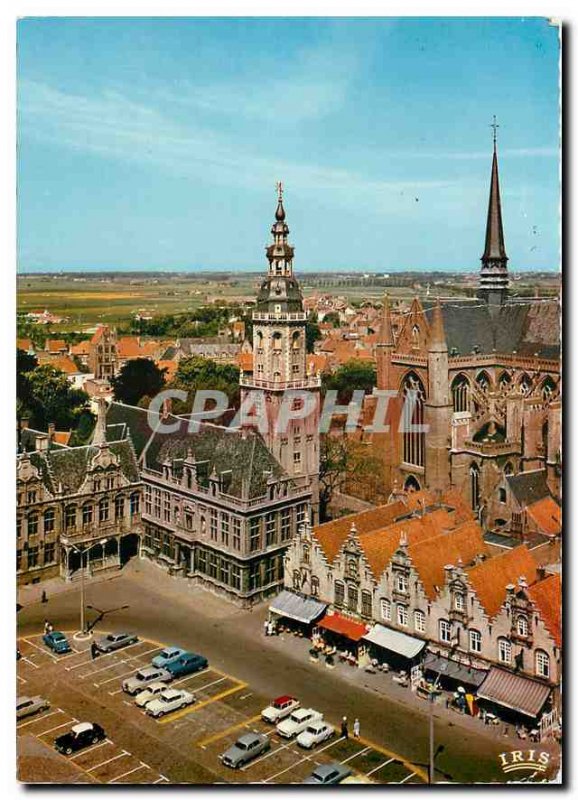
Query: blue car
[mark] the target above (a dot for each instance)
(186, 664)
(168, 655)
(57, 642)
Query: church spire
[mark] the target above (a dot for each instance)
(385, 333)
(494, 280)
(437, 337)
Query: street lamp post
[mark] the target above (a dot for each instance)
(84, 550)
(432, 693)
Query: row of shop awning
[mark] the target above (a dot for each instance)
(507, 689)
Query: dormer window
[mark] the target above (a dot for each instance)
(352, 570)
(522, 628)
(402, 583)
(459, 602)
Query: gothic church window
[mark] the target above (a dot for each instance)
(413, 416)
(460, 393)
(475, 486)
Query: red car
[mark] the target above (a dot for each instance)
(280, 708)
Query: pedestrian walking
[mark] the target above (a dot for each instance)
(93, 650)
(266, 627)
(344, 729)
(48, 626)
(356, 728)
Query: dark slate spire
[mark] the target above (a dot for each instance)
(494, 279)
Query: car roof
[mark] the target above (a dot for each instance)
(82, 727)
(20, 700)
(301, 712)
(57, 635)
(149, 670)
(170, 693)
(249, 737)
(326, 769)
(285, 698)
(154, 685)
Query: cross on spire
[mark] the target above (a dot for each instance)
(279, 187)
(495, 127)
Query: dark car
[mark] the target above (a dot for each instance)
(328, 774)
(79, 736)
(245, 749)
(186, 664)
(115, 641)
(57, 642)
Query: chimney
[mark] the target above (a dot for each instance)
(51, 430)
(166, 409)
(24, 423)
(522, 582)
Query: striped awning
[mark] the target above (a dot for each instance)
(344, 626)
(395, 641)
(514, 691)
(447, 668)
(294, 606)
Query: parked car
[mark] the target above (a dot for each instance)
(79, 736)
(57, 642)
(167, 655)
(26, 706)
(144, 677)
(186, 664)
(169, 700)
(328, 774)
(298, 720)
(279, 709)
(245, 749)
(315, 733)
(149, 693)
(114, 641)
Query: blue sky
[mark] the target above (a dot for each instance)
(156, 143)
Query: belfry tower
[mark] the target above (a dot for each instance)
(279, 360)
(494, 280)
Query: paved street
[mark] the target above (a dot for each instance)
(246, 671)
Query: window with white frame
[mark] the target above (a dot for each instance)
(522, 625)
(445, 630)
(459, 601)
(504, 651)
(542, 664)
(475, 641)
(401, 582)
(402, 615)
(385, 605)
(419, 621)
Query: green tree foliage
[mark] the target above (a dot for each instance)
(347, 466)
(332, 319)
(196, 373)
(84, 428)
(312, 333)
(138, 377)
(352, 375)
(49, 397)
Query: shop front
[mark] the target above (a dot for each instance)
(514, 698)
(341, 638)
(393, 649)
(451, 674)
(294, 613)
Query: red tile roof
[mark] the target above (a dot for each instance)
(547, 598)
(546, 515)
(429, 557)
(55, 345)
(80, 349)
(24, 344)
(331, 535)
(344, 626)
(490, 578)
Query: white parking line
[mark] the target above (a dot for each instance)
(21, 679)
(124, 774)
(267, 755)
(103, 655)
(42, 649)
(411, 774)
(116, 677)
(37, 719)
(90, 749)
(162, 778)
(381, 766)
(108, 761)
(32, 664)
(102, 669)
(359, 753)
(56, 727)
(308, 757)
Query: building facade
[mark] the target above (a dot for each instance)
(77, 508)
(218, 509)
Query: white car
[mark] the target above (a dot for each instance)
(299, 719)
(144, 677)
(315, 733)
(169, 700)
(149, 693)
(279, 709)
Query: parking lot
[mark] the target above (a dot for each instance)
(183, 746)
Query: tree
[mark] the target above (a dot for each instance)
(347, 465)
(332, 319)
(138, 377)
(53, 399)
(354, 374)
(196, 373)
(312, 333)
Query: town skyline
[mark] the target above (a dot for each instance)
(196, 143)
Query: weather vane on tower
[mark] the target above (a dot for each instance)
(495, 127)
(279, 190)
